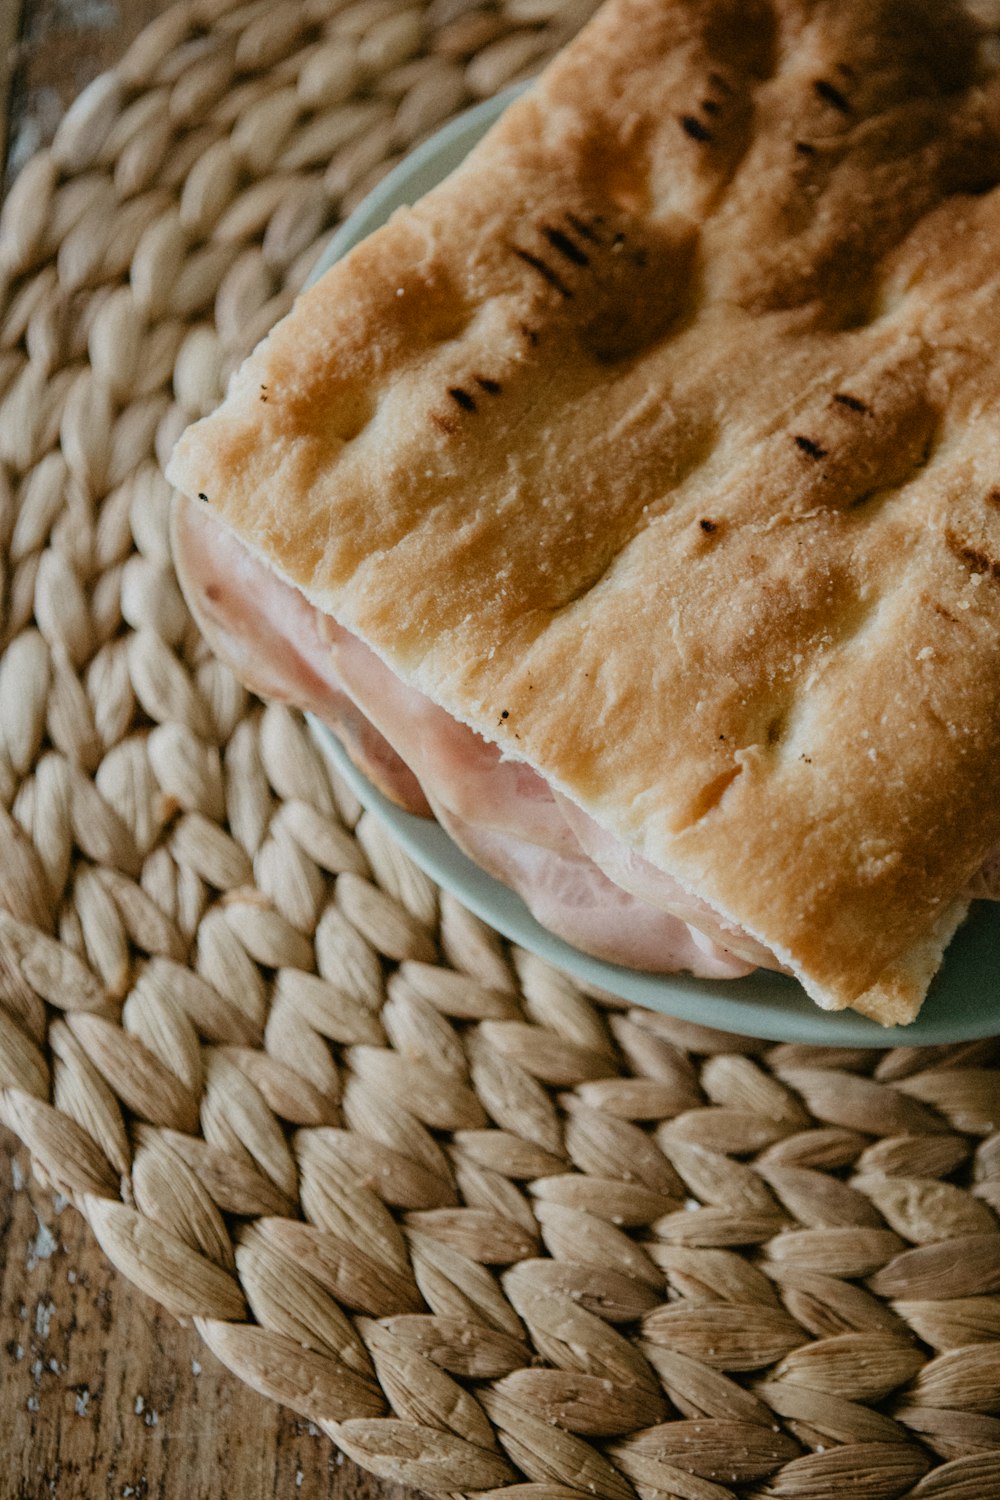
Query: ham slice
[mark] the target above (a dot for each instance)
(282, 647)
(579, 881)
(456, 766)
(572, 898)
(279, 645)
(630, 872)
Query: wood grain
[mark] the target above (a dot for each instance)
(49, 51)
(10, 20)
(104, 1394)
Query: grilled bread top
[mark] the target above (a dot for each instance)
(661, 444)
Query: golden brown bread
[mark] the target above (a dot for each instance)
(661, 444)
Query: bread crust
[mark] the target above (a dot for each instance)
(660, 444)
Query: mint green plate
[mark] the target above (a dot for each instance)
(964, 1002)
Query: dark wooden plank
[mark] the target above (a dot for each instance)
(102, 1394)
(10, 20)
(61, 47)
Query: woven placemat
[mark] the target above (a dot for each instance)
(486, 1229)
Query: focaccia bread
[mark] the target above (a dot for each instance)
(661, 445)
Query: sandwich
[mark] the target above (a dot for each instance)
(631, 503)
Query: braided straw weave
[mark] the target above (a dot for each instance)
(485, 1229)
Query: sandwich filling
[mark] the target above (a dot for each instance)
(578, 881)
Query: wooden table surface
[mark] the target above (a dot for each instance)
(102, 1394)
